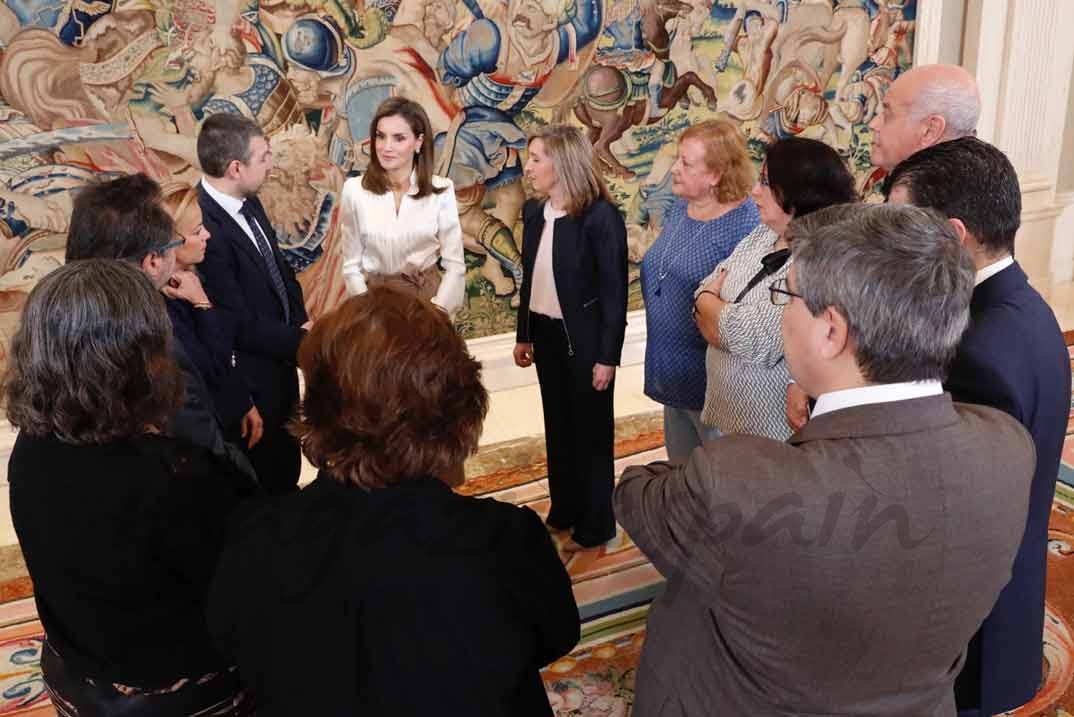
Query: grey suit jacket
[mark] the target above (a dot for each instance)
(842, 572)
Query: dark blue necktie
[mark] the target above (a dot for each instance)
(270, 259)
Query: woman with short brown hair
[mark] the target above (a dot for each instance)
(418, 601)
(713, 212)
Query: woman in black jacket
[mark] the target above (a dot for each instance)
(202, 329)
(120, 525)
(378, 590)
(571, 323)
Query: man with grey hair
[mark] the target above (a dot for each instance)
(924, 106)
(844, 571)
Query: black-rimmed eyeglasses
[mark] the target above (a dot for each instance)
(780, 293)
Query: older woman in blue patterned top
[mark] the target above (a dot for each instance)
(747, 376)
(711, 178)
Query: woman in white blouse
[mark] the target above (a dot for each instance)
(398, 219)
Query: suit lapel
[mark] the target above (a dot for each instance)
(564, 249)
(241, 239)
(532, 242)
(270, 234)
(290, 283)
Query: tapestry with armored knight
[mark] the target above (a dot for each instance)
(99, 88)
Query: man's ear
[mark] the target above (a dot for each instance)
(152, 266)
(836, 333)
(960, 230)
(935, 127)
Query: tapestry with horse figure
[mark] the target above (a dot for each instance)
(98, 88)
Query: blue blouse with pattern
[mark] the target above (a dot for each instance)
(686, 252)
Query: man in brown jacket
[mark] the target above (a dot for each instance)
(844, 571)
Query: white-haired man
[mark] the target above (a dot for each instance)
(924, 106)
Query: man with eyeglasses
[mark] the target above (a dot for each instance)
(124, 219)
(844, 570)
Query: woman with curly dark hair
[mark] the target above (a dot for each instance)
(414, 600)
(120, 525)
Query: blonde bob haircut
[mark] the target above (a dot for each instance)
(177, 199)
(575, 163)
(725, 153)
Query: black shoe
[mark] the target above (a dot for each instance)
(588, 544)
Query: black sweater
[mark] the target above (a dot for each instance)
(406, 601)
(121, 540)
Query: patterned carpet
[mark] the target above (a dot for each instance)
(613, 587)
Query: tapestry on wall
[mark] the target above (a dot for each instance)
(92, 88)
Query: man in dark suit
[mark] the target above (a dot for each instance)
(844, 571)
(247, 276)
(123, 219)
(1013, 358)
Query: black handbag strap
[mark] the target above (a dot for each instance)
(770, 264)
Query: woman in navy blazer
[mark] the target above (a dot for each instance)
(571, 323)
(201, 328)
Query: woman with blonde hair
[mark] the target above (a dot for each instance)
(571, 323)
(202, 330)
(711, 177)
(399, 220)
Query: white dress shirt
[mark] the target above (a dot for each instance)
(232, 205)
(379, 240)
(880, 393)
(544, 299)
(992, 269)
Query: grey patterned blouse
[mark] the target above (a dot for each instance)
(746, 376)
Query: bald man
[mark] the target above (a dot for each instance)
(924, 106)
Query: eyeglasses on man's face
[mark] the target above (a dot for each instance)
(173, 244)
(780, 292)
(162, 250)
